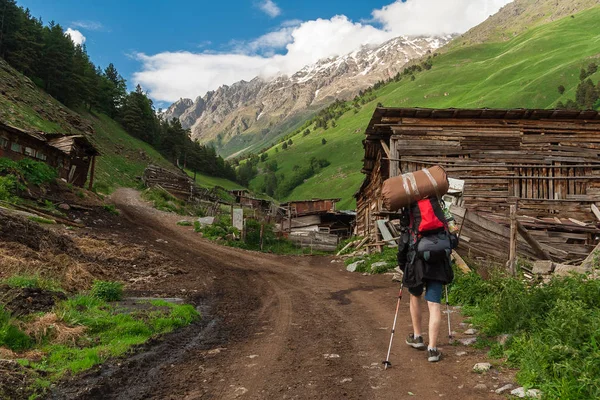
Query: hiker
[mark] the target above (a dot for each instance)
(424, 258)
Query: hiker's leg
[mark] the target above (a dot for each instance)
(434, 299)
(415, 309)
(435, 320)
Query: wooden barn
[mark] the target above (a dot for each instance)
(71, 155)
(315, 223)
(245, 199)
(300, 208)
(544, 161)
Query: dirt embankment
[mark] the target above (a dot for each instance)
(76, 258)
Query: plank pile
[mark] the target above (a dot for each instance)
(178, 184)
(315, 240)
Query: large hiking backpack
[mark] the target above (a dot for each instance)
(432, 241)
(427, 217)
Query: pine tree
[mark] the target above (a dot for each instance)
(27, 44)
(114, 90)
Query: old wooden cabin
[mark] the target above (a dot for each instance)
(544, 161)
(316, 223)
(71, 155)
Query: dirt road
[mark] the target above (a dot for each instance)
(273, 327)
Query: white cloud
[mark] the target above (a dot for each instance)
(90, 25)
(76, 36)
(272, 40)
(419, 17)
(171, 75)
(291, 22)
(270, 8)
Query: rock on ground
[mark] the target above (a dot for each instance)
(504, 388)
(531, 393)
(482, 367)
(379, 264)
(352, 267)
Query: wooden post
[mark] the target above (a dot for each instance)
(290, 218)
(393, 158)
(262, 229)
(92, 172)
(244, 231)
(512, 254)
(232, 214)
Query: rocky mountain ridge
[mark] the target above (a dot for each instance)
(248, 114)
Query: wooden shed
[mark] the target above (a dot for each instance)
(299, 208)
(71, 155)
(545, 161)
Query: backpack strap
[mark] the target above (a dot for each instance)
(433, 182)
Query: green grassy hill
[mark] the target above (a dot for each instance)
(523, 72)
(519, 16)
(207, 181)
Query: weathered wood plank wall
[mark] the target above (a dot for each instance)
(546, 161)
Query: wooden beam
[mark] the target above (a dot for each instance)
(362, 242)
(577, 222)
(460, 263)
(541, 253)
(512, 253)
(385, 147)
(347, 246)
(92, 173)
(596, 211)
(34, 210)
(588, 263)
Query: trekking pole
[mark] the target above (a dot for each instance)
(448, 313)
(387, 362)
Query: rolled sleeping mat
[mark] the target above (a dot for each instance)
(402, 190)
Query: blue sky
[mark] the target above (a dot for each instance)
(184, 48)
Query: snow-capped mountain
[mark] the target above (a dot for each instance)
(261, 105)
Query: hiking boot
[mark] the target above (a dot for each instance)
(433, 355)
(416, 343)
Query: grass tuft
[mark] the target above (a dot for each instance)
(33, 282)
(107, 291)
(42, 220)
(111, 208)
(388, 255)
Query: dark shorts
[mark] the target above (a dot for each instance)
(433, 291)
